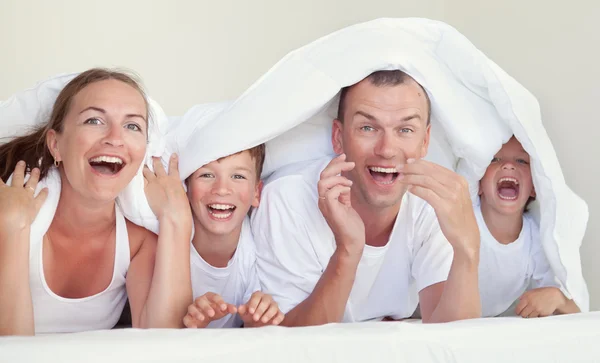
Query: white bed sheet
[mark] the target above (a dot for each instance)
(570, 338)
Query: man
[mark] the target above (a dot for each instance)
(377, 230)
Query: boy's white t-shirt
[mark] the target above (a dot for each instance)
(294, 245)
(507, 271)
(235, 283)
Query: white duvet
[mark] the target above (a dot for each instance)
(476, 107)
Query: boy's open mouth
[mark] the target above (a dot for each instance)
(107, 165)
(221, 211)
(508, 188)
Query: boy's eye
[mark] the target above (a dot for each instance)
(522, 161)
(495, 159)
(133, 127)
(367, 128)
(206, 175)
(93, 121)
(238, 176)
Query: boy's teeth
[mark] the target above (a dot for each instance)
(382, 170)
(221, 215)
(508, 180)
(107, 159)
(221, 206)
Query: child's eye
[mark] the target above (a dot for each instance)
(206, 175)
(239, 176)
(495, 159)
(522, 161)
(93, 121)
(133, 127)
(367, 128)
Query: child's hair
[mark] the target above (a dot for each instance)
(32, 147)
(257, 154)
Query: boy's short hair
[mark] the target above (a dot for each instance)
(257, 154)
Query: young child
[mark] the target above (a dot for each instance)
(224, 281)
(512, 260)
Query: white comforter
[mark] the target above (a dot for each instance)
(570, 338)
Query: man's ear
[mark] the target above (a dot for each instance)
(336, 136)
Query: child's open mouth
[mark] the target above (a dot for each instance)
(383, 175)
(221, 211)
(508, 188)
(107, 165)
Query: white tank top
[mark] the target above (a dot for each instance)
(56, 314)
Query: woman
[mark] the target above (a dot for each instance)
(71, 267)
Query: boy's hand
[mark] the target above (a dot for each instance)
(207, 308)
(540, 302)
(260, 310)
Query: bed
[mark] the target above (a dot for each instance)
(569, 338)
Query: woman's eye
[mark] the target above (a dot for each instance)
(133, 127)
(93, 121)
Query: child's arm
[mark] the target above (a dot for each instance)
(206, 308)
(544, 301)
(260, 310)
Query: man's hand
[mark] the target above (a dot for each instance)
(334, 203)
(448, 194)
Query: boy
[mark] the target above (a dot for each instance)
(512, 259)
(223, 258)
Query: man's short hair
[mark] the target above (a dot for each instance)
(383, 78)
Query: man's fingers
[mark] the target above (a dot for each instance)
(324, 185)
(18, 174)
(427, 182)
(337, 166)
(521, 305)
(279, 318)
(534, 314)
(443, 175)
(334, 193)
(427, 195)
(194, 312)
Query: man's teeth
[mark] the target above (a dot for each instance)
(508, 180)
(221, 206)
(377, 169)
(107, 159)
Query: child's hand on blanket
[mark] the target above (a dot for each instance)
(165, 192)
(260, 310)
(19, 206)
(207, 308)
(544, 301)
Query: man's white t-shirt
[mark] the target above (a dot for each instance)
(235, 283)
(507, 271)
(294, 245)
